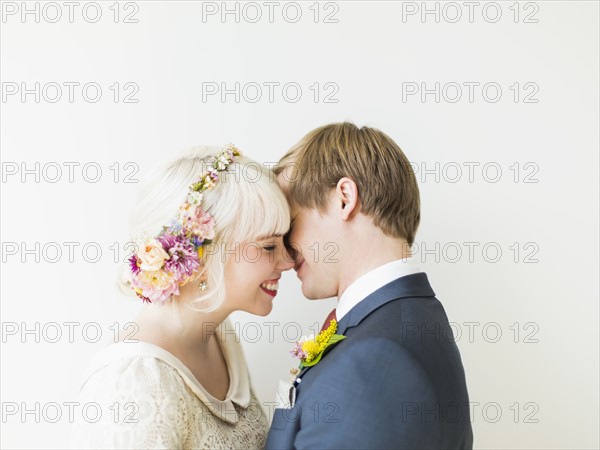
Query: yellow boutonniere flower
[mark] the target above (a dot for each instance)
(310, 350)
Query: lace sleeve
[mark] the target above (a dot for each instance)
(133, 403)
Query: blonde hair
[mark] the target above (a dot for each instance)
(386, 182)
(246, 204)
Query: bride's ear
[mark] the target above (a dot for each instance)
(346, 193)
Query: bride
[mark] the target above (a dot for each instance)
(211, 243)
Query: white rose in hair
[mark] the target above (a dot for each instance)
(152, 255)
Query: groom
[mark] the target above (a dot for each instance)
(397, 379)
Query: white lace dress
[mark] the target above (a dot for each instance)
(138, 395)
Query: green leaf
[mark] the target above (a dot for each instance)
(313, 362)
(335, 339)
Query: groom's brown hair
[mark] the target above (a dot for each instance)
(386, 182)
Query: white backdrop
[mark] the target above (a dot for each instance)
(496, 105)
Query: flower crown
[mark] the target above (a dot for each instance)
(169, 260)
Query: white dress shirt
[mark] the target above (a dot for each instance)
(373, 280)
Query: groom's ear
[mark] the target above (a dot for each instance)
(346, 193)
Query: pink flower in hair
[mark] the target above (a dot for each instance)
(203, 225)
(183, 257)
(155, 286)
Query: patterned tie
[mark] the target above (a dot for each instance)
(330, 317)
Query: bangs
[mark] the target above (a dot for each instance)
(249, 204)
(263, 212)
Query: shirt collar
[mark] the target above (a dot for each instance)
(373, 280)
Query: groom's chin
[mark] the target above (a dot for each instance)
(312, 294)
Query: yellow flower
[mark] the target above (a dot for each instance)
(325, 335)
(312, 349)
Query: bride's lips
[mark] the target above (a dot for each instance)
(270, 287)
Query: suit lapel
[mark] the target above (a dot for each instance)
(415, 285)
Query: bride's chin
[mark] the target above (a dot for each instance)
(264, 309)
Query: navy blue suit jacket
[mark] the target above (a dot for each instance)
(396, 381)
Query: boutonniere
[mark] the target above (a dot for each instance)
(310, 350)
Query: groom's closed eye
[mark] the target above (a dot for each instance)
(288, 246)
(286, 240)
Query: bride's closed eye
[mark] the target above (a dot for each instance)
(273, 243)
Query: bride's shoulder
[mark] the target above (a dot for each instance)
(133, 398)
(129, 367)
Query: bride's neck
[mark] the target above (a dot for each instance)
(176, 327)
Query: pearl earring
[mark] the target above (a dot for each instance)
(203, 286)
